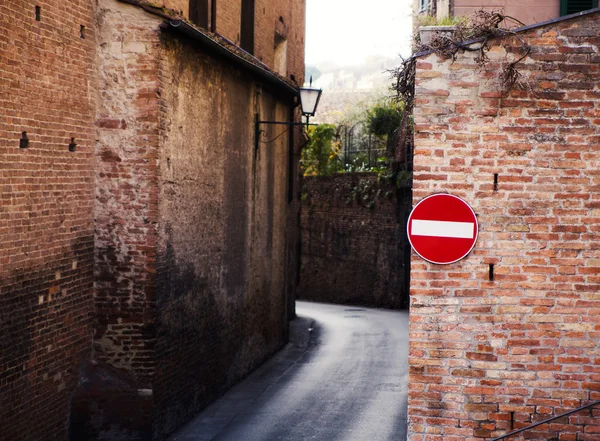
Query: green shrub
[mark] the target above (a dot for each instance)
(320, 157)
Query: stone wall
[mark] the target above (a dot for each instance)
(48, 90)
(525, 340)
(353, 241)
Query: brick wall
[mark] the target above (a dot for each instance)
(109, 404)
(527, 341)
(47, 89)
(92, 262)
(352, 253)
(126, 210)
(292, 12)
(229, 19)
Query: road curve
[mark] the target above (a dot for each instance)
(349, 385)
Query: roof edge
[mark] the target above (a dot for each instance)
(557, 20)
(220, 45)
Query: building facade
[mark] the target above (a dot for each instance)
(148, 239)
(526, 11)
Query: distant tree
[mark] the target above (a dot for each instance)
(384, 118)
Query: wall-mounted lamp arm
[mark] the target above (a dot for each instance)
(258, 131)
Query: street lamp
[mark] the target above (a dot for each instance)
(309, 100)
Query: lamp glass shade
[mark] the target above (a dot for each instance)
(309, 99)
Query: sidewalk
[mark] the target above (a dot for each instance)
(241, 397)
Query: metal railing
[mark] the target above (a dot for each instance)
(539, 423)
(360, 150)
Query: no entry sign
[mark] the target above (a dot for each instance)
(442, 228)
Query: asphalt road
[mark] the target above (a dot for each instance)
(347, 382)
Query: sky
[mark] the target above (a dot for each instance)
(345, 32)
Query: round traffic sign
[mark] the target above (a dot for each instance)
(442, 228)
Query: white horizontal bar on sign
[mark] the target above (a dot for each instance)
(461, 230)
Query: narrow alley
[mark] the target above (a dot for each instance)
(343, 377)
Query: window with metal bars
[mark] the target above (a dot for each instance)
(573, 6)
(424, 5)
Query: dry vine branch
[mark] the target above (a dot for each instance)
(480, 28)
(404, 84)
(404, 88)
(510, 76)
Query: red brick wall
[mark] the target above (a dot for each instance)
(47, 89)
(229, 19)
(293, 14)
(102, 87)
(528, 341)
(126, 214)
(352, 253)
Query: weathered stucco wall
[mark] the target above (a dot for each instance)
(526, 11)
(352, 252)
(48, 90)
(222, 210)
(527, 341)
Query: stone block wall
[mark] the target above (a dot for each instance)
(48, 90)
(525, 342)
(353, 241)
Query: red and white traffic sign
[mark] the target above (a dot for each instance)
(442, 228)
